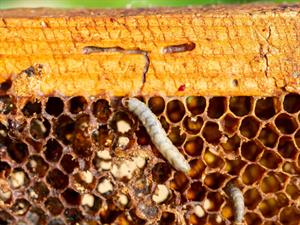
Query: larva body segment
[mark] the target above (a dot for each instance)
(237, 199)
(157, 134)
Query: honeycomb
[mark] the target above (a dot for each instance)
(88, 160)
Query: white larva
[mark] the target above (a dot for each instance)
(157, 134)
(237, 199)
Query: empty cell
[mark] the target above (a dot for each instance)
(282, 199)
(54, 206)
(31, 108)
(64, 129)
(57, 179)
(285, 123)
(167, 218)
(77, 104)
(197, 168)
(39, 128)
(194, 146)
(270, 159)
(175, 111)
(216, 107)
(101, 110)
(143, 137)
(71, 197)
(252, 198)
(291, 103)
(252, 174)
(7, 104)
(69, 163)
(253, 218)
(271, 183)
(249, 127)
(233, 167)
(214, 180)
(268, 136)
(230, 123)
(36, 165)
(212, 160)
(192, 125)
(196, 192)
(251, 150)
(161, 172)
(157, 105)
(54, 106)
(177, 136)
(196, 104)
(269, 207)
(287, 148)
(179, 182)
(53, 150)
(38, 192)
(266, 108)
(240, 105)
(211, 132)
(17, 151)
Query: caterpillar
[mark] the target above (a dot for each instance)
(179, 48)
(157, 134)
(237, 199)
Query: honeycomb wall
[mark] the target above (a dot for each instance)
(79, 160)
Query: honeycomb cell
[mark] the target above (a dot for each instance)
(175, 111)
(196, 104)
(65, 127)
(192, 125)
(176, 136)
(57, 179)
(38, 192)
(290, 167)
(143, 137)
(167, 218)
(17, 151)
(251, 150)
(109, 214)
(18, 179)
(71, 197)
(101, 110)
(270, 159)
(227, 211)
(268, 136)
(230, 123)
(102, 137)
(54, 106)
(197, 168)
(232, 145)
(291, 103)
(212, 160)
(196, 192)
(77, 104)
(39, 128)
(266, 108)
(31, 108)
(216, 199)
(179, 182)
(233, 167)
(240, 105)
(269, 207)
(73, 215)
(271, 183)
(54, 206)
(161, 172)
(249, 127)
(214, 180)
(211, 132)
(157, 105)
(287, 148)
(290, 215)
(121, 122)
(252, 174)
(285, 123)
(20, 207)
(68, 163)
(91, 203)
(293, 191)
(36, 216)
(7, 104)
(252, 197)
(193, 219)
(216, 107)
(194, 146)
(53, 150)
(36, 165)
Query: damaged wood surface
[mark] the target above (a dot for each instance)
(223, 50)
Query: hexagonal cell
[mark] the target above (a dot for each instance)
(31, 108)
(231, 146)
(36, 165)
(290, 215)
(192, 125)
(197, 168)
(38, 192)
(141, 186)
(251, 150)
(71, 197)
(102, 137)
(270, 159)
(291, 103)
(57, 179)
(252, 174)
(268, 136)
(287, 148)
(53, 150)
(216, 200)
(271, 183)
(266, 108)
(54, 206)
(196, 192)
(216, 107)
(7, 104)
(157, 105)
(5, 169)
(282, 199)
(196, 104)
(167, 218)
(212, 160)
(18, 179)
(286, 124)
(253, 218)
(179, 182)
(39, 128)
(215, 180)
(64, 129)
(54, 106)
(233, 167)
(69, 163)
(252, 197)
(240, 105)
(6, 218)
(194, 146)
(17, 151)
(227, 211)
(161, 172)
(269, 207)
(101, 110)
(297, 138)
(73, 215)
(230, 123)
(175, 110)
(293, 191)
(177, 136)
(77, 104)
(249, 127)
(36, 216)
(211, 132)
(290, 167)
(121, 122)
(20, 207)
